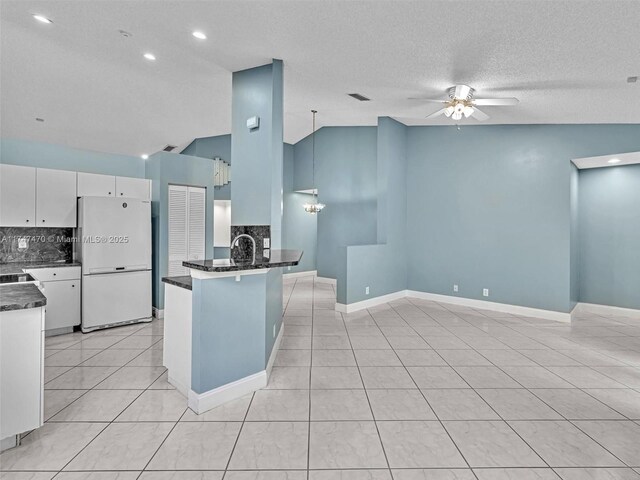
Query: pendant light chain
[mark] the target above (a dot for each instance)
(315, 206)
(313, 155)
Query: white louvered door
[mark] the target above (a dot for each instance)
(196, 205)
(187, 213)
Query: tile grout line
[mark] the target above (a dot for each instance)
(364, 387)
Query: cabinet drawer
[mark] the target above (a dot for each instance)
(55, 273)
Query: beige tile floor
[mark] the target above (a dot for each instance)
(410, 390)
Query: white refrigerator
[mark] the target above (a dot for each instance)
(115, 251)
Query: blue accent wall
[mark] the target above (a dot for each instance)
(382, 267)
(574, 240)
(346, 179)
(45, 155)
(299, 228)
(609, 226)
(210, 147)
(490, 207)
(165, 168)
(228, 329)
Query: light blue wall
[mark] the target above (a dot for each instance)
(574, 245)
(489, 207)
(382, 267)
(256, 172)
(609, 226)
(228, 330)
(59, 157)
(165, 168)
(299, 228)
(210, 147)
(347, 183)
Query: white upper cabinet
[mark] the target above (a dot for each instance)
(96, 185)
(55, 198)
(127, 187)
(17, 196)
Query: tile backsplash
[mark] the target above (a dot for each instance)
(21, 244)
(244, 249)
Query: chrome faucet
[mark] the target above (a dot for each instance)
(234, 243)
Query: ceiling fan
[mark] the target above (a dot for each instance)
(462, 104)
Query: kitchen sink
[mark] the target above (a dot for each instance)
(16, 278)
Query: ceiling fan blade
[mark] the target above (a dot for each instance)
(430, 100)
(503, 102)
(479, 115)
(435, 114)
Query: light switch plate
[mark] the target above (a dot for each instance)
(23, 243)
(266, 253)
(253, 122)
(266, 242)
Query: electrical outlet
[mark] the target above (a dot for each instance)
(266, 242)
(265, 253)
(23, 243)
(485, 292)
(274, 330)
(289, 268)
(455, 288)
(366, 290)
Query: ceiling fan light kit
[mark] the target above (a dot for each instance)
(462, 104)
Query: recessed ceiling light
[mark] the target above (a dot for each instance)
(199, 35)
(144, 156)
(614, 160)
(42, 18)
(149, 56)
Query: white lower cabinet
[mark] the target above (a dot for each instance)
(21, 372)
(63, 304)
(62, 287)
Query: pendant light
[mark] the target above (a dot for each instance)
(315, 206)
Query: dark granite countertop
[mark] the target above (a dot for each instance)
(183, 281)
(17, 267)
(20, 296)
(278, 258)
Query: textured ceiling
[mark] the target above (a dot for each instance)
(566, 60)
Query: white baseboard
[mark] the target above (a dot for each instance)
(606, 310)
(158, 313)
(495, 306)
(274, 350)
(467, 302)
(331, 281)
(308, 273)
(202, 402)
(183, 389)
(372, 302)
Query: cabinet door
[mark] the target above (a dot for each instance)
(96, 185)
(197, 198)
(55, 198)
(133, 188)
(63, 303)
(17, 196)
(21, 364)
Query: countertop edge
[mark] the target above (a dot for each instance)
(27, 296)
(182, 281)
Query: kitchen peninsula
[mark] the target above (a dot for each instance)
(223, 324)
